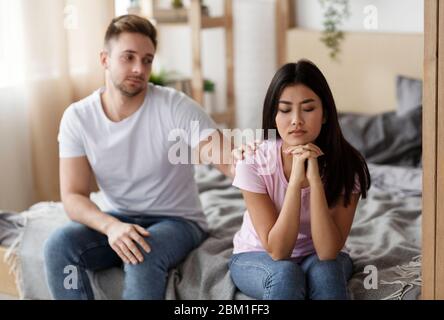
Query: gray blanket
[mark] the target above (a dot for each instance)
(385, 234)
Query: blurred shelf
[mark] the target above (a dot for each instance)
(197, 19)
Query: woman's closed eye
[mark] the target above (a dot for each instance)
(288, 110)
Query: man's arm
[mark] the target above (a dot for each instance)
(75, 187)
(217, 150)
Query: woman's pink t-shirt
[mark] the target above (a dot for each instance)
(263, 173)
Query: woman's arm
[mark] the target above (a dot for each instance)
(329, 227)
(278, 232)
(216, 149)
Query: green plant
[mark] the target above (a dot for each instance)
(335, 12)
(208, 86)
(177, 4)
(159, 78)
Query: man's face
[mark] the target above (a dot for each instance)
(128, 60)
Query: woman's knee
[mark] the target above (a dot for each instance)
(286, 270)
(327, 280)
(339, 267)
(285, 281)
(321, 269)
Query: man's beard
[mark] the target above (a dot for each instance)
(128, 91)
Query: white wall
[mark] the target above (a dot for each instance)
(393, 15)
(254, 55)
(254, 45)
(255, 58)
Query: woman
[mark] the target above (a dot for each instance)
(301, 191)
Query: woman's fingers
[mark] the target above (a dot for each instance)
(305, 154)
(303, 148)
(315, 147)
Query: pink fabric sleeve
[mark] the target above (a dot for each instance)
(247, 177)
(357, 186)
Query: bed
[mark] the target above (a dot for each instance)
(385, 234)
(384, 241)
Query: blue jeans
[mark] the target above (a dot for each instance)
(77, 246)
(257, 275)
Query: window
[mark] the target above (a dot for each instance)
(11, 43)
(121, 6)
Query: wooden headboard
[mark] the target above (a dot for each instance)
(364, 78)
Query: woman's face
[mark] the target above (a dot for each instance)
(299, 116)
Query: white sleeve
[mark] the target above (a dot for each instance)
(193, 120)
(69, 138)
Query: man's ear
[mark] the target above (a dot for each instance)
(104, 56)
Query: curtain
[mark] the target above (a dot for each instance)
(56, 62)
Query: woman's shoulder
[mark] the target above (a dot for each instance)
(264, 161)
(270, 146)
(356, 185)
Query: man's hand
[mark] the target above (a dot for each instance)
(238, 153)
(222, 154)
(123, 237)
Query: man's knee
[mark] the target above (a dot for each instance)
(63, 242)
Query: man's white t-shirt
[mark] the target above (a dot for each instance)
(131, 158)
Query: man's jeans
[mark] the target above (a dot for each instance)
(257, 275)
(77, 246)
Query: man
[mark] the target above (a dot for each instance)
(119, 135)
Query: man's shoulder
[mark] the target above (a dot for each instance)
(167, 95)
(83, 107)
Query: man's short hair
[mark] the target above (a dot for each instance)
(133, 24)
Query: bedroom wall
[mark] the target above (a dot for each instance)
(379, 54)
(393, 15)
(363, 79)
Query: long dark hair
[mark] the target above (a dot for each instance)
(341, 161)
